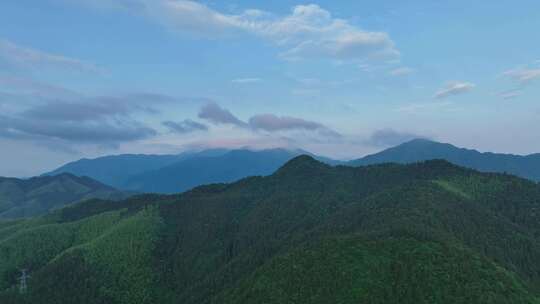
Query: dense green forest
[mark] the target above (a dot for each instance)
(428, 232)
(177, 173)
(526, 166)
(35, 196)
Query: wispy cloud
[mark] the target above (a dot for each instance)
(272, 123)
(185, 126)
(311, 31)
(91, 132)
(95, 108)
(263, 122)
(454, 88)
(103, 120)
(510, 94)
(18, 56)
(523, 75)
(307, 31)
(217, 115)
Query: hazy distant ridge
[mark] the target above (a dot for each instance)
(420, 150)
(177, 173)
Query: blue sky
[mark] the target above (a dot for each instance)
(83, 78)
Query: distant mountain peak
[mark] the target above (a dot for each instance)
(420, 140)
(302, 163)
(304, 158)
(421, 149)
(419, 143)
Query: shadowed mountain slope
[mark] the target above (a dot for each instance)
(421, 149)
(39, 195)
(429, 232)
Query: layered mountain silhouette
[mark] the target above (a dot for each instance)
(428, 232)
(177, 173)
(115, 170)
(422, 149)
(39, 195)
(200, 170)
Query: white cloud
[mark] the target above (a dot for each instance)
(523, 75)
(454, 88)
(246, 80)
(24, 57)
(510, 94)
(401, 71)
(308, 31)
(193, 17)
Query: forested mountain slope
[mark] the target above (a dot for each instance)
(429, 232)
(527, 166)
(39, 195)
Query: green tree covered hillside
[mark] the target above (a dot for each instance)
(428, 232)
(21, 198)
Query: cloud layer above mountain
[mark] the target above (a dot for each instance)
(308, 31)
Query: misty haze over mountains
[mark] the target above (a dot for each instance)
(167, 174)
(269, 152)
(428, 232)
(177, 173)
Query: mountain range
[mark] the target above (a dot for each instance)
(428, 232)
(177, 173)
(527, 166)
(116, 170)
(39, 195)
(200, 170)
